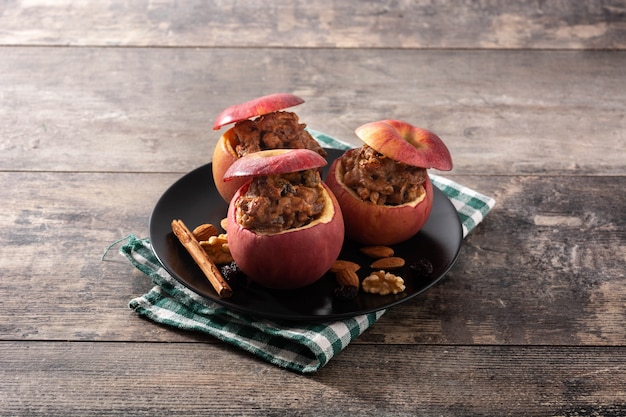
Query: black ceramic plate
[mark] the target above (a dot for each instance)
(195, 200)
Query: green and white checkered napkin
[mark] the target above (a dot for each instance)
(300, 347)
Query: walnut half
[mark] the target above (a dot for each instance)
(383, 283)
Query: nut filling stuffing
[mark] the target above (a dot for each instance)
(381, 180)
(277, 130)
(275, 203)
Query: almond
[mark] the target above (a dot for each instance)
(340, 264)
(392, 262)
(205, 231)
(377, 251)
(347, 277)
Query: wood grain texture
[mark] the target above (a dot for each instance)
(545, 268)
(151, 110)
(492, 24)
(89, 379)
(103, 105)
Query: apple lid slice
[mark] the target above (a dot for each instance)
(406, 143)
(257, 107)
(274, 161)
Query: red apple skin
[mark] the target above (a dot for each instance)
(274, 161)
(371, 224)
(406, 143)
(256, 107)
(291, 259)
(235, 172)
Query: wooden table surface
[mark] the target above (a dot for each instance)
(103, 105)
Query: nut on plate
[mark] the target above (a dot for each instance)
(340, 264)
(347, 277)
(383, 283)
(348, 284)
(216, 247)
(377, 251)
(205, 231)
(392, 262)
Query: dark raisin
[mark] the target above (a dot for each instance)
(231, 271)
(346, 292)
(421, 267)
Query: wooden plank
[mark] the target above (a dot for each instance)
(497, 24)
(89, 379)
(500, 112)
(545, 268)
(535, 272)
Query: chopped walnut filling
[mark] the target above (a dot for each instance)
(277, 130)
(381, 180)
(275, 203)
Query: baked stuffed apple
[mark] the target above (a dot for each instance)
(285, 227)
(383, 187)
(259, 124)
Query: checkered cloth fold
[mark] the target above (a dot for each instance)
(299, 347)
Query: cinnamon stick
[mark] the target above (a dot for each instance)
(208, 267)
